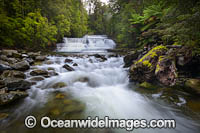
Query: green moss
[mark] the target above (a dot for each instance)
(152, 53)
(147, 63)
(147, 85)
(158, 66)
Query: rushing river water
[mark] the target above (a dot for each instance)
(95, 88)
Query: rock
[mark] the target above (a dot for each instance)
(38, 63)
(49, 62)
(68, 60)
(33, 55)
(67, 67)
(3, 116)
(39, 78)
(52, 73)
(12, 74)
(30, 60)
(38, 72)
(59, 85)
(12, 60)
(60, 96)
(166, 71)
(51, 68)
(9, 53)
(74, 108)
(3, 90)
(2, 84)
(128, 59)
(7, 98)
(22, 66)
(40, 58)
(84, 79)
(100, 56)
(193, 85)
(147, 85)
(75, 64)
(24, 55)
(17, 84)
(16, 55)
(4, 57)
(144, 68)
(4, 67)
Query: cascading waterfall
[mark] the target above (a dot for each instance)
(89, 43)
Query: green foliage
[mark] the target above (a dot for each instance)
(35, 24)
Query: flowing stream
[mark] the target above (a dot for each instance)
(95, 88)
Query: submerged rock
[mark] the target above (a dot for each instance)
(39, 78)
(6, 98)
(144, 69)
(59, 85)
(75, 64)
(147, 85)
(68, 60)
(193, 85)
(38, 72)
(67, 67)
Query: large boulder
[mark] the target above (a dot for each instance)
(22, 66)
(39, 72)
(128, 59)
(33, 55)
(166, 71)
(68, 60)
(11, 53)
(40, 58)
(67, 67)
(17, 84)
(6, 98)
(102, 57)
(12, 74)
(4, 67)
(144, 68)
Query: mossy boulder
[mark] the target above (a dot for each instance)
(166, 72)
(38, 72)
(144, 68)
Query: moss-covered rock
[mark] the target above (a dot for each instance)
(147, 85)
(144, 69)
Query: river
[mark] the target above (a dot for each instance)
(96, 88)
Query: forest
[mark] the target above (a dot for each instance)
(131, 23)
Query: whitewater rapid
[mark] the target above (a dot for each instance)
(106, 93)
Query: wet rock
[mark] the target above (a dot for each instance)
(39, 78)
(68, 60)
(49, 62)
(17, 84)
(128, 59)
(40, 58)
(59, 85)
(83, 79)
(55, 111)
(75, 64)
(33, 55)
(2, 84)
(12, 74)
(22, 66)
(4, 57)
(74, 108)
(3, 116)
(60, 96)
(144, 68)
(147, 85)
(24, 55)
(51, 68)
(7, 98)
(38, 63)
(4, 67)
(38, 72)
(166, 71)
(9, 53)
(100, 56)
(67, 67)
(193, 85)
(30, 60)
(12, 60)
(52, 73)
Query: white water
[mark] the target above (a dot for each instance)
(89, 43)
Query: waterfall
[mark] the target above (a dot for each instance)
(89, 43)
